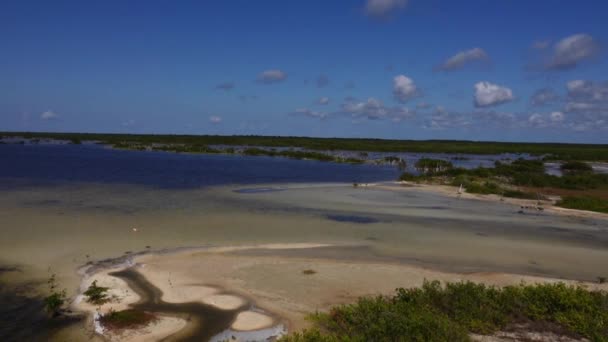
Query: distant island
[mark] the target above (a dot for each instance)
(209, 144)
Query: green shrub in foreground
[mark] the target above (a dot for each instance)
(449, 313)
(584, 203)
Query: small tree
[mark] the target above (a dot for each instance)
(56, 299)
(96, 294)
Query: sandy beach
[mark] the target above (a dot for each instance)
(274, 283)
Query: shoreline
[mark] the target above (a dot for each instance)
(547, 205)
(277, 292)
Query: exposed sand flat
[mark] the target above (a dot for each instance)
(277, 284)
(225, 302)
(251, 320)
(158, 330)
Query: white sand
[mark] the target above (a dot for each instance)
(164, 327)
(251, 320)
(225, 302)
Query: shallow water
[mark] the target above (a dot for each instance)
(64, 206)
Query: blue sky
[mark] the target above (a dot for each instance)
(510, 70)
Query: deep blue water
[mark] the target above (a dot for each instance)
(48, 164)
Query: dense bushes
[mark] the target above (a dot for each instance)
(450, 312)
(575, 166)
(584, 203)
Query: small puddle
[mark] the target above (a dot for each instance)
(257, 190)
(352, 219)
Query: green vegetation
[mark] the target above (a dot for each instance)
(97, 294)
(432, 166)
(131, 318)
(55, 301)
(575, 166)
(451, 312)
(505, 178)
(584, 203)
(254, 151)
(552, 151)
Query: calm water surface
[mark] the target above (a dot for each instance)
(39, 164)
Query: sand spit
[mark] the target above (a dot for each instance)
(547, 205)
(283, 294)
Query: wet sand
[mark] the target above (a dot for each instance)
(57, 230)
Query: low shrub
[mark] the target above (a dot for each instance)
(584, 203)
(450, 312)
(131, 318)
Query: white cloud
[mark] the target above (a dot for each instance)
(48, 115)
(215, 119)
(310, 113)
(404, 88)
(374, 109)
(543, 96)
(572, 50)
(462, 58)
(587, 104)
(557, 116)
(384, 9)
(323, 100)
(553, 119)
(536, 120)
(489, 94)
(272, 76)
(442, 119)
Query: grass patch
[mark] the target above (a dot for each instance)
(584, 203)
(126, 319)
(450, 312)
(309, 272)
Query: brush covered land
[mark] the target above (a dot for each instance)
(578, 186)
(202, 143)
(453, 311)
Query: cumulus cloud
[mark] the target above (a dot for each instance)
(384, 9)
(215, 119)
(374, 109)
(463, 58)
(49, 115)
(323, 100)
(553, 119)
(543, 96)
(225, 86)
(571, 51)
(272, 76)
(557, 116)
(488, 94)
(310, 113)
(442, 119)
(322, 81)
(587, 104)
(404, 88)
